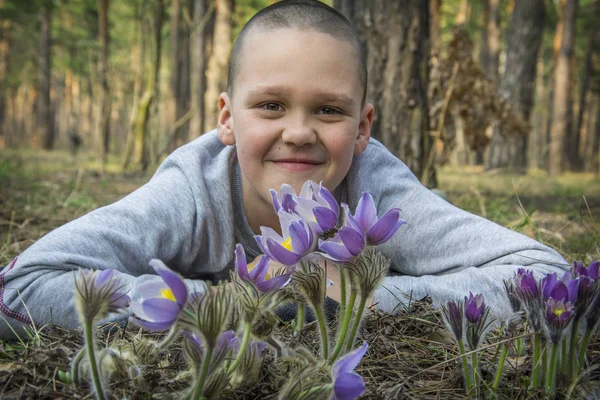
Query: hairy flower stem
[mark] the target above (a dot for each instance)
(573, 353)
(342, 291)
(356, 323)
(584, 344)
(173, 333)
(91, 353)
(520, 346)
(476, 375)
(564, 359)
(343, 328)
(75, 366)
(465, 367)
(199, 387)
(535, 380)
(324, 333)
(300, 316)
(550, 376)
(500, 368)
(242, 350)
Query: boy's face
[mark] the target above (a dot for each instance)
(295, 112)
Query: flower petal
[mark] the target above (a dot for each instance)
(281, 254)
(350, 360)
(352, 239)
(274, 283)
(259, 272)
(241, 266)
(153, 326)
(173, 279)
(366, 212)
(335, 251)
(276, 204)
(326, 218)
(160, 309)
(385, 227)
(149, 290)
(326, 195)
(348, 386)
(300, 239)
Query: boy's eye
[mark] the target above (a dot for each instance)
(328, 111)
(272, 107)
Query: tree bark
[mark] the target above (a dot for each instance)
(202, 15)
(105, 104)
(561, 89)
(435, 7)
(576, 159)
(45, 120)
(216, 79)
(395, 35)
(518, 82)
(490, 40)
(5, 42)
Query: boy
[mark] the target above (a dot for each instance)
(294, 110)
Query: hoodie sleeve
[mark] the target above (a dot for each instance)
(442, 251)
(159, 220)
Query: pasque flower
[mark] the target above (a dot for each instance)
(558, 315)
(564, 289)
(258, 274)
(476, 313)
(452, 313)
(347, 243)
(315, 204)
(474, 307)
(98, 293)
(347, 384)
(297, 241)
(528, 291)
(161, 302)
(377, 230)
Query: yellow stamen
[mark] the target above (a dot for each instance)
(287, 243)
(558, 311)
(167, 294)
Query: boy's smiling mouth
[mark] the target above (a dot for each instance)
(297, 164)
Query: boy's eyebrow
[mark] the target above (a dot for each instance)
(324, 96)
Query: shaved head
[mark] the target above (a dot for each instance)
(302, 15)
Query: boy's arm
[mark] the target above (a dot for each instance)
(443, 251)
(159, 220)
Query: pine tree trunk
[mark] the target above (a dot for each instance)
(216, 76)
(395, 35)
(184, 98)
(45, 120)
(202, 16)
(561, 89)
(105, 104)
(577, 161)
(517, 85)
(5, 42)
(435, 8)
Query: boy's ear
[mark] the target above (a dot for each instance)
(225, 121)
(364, 128)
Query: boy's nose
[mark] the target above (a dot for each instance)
(299, 133)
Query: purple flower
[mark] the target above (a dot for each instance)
(453, 316)
(591, 271)
(377, 230)
(98, 293)
(564, 289)
(347, 243)
(315, 204)
(525, 284)
(474, 307)
(258, 274)
(347, 384)
(558, 315)
(160, 303)
(297, 241)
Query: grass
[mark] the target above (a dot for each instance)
(410, 354)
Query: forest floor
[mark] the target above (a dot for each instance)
(410, 355)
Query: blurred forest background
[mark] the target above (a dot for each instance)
(507, 84)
